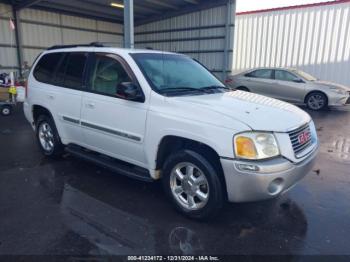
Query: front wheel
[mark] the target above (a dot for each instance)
(316, 101)
(193, 185)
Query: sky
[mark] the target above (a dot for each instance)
(250, 5)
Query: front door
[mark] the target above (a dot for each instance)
(112, 125)
(290, 87)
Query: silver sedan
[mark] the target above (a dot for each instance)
(291, 85)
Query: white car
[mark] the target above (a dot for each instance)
(292, 85)
(155, 115)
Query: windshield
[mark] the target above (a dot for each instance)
(304, 75)
(175, 73)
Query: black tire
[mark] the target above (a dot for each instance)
(312, 98)
(243, 88)
(215, 200)
(6, 110)
(57, 148)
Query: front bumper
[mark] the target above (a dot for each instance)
(273, 178)
(339, 100)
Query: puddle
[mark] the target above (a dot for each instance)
(6, 131)
(338, 149)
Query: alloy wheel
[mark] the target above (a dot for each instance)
(316, 102)
(189, 186)
(46, 137)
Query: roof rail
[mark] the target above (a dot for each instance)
(93, 44)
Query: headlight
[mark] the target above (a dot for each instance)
(313, 132)
(255, 145)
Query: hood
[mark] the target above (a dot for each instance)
(256, 111)
(331, 84)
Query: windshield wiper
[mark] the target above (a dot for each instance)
(205, 89)
(214, 87)
(178, 89)
(211, 88)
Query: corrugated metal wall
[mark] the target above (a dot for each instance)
(8, 55)
(41, 29)
(201, 35)
(315, 39)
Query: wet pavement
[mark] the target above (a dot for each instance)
(72, 207)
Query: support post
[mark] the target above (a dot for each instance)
(129, 23)
(229, 36)
(18, 38)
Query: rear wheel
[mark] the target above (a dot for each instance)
(316, 101)
(48, 138)
(193, 185)
(243, 88)
(6, 110)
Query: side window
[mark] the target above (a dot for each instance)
(73, 77)
(106, 74)
(61, 70)
(285, 76)
(261, 73)
(45, 69)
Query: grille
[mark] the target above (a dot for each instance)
(348, 101)
(299, 147)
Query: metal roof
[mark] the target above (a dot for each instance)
(291, 7)
(144, 10)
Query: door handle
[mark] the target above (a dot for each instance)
(90, 105)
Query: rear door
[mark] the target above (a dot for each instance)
(112, 125)
(290, 87)
(260, 81)
(69, 84)
(41, 88)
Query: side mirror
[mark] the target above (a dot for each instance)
(298, 81)
(130, 91)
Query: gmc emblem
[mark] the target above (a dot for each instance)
(304, 137)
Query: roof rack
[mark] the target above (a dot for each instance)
(92, 44)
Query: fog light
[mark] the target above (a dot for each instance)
(275, 186)
(247, 167)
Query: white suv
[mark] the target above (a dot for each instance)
(156, 115)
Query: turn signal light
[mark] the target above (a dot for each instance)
(245, 147)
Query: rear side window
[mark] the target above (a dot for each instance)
(45, 69)
(71, 70)
(261, 73)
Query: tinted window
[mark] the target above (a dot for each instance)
(261, 73)
(73, 77)
(45, 69)
(107, 73)
(285, 76)
(61, 70)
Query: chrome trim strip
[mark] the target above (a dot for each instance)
(71, 120)
(111, 131)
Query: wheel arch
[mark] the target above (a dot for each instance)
(316, 91)
(172, 143)
(38, 110)
(243, 87)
